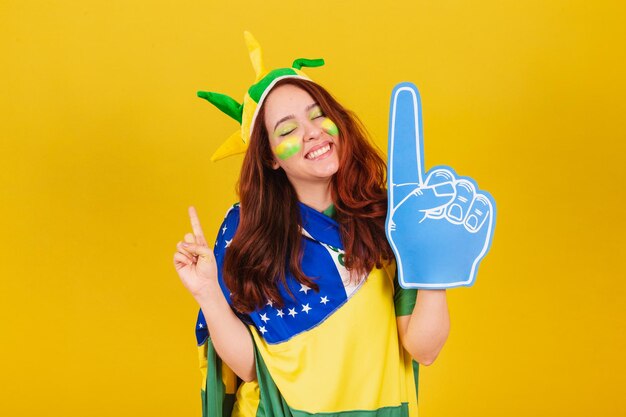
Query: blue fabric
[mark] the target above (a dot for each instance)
(322, 261)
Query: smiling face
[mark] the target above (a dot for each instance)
(304, 141)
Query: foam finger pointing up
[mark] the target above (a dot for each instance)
(405, 136)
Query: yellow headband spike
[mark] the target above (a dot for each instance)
(232, 146)
(254, 49)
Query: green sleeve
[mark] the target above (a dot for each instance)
(403, 299)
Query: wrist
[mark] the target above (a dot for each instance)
(208, 293)
(431, 293)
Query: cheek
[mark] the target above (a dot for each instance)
(330, 127)
(288, 147)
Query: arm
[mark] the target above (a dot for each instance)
(424, 332)
(197, 267)
(229, 335)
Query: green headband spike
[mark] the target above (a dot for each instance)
(223, 102)
(310, 63)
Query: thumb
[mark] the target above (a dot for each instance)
(438, 195)
(202, 251)
(428, 198)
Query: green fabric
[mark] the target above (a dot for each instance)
(256, 91)
(403, 299)
(226, 104)
(215, 402)
(416, 375)
(399, 411)
(272, 404)
(303, 62)
(330, 211)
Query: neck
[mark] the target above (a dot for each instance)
(316, 195)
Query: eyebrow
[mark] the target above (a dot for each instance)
(291, 116)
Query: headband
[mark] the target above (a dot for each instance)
(246, 112)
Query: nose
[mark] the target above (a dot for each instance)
(312, 132)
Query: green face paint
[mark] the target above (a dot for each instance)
(288, 147)
(330, 127)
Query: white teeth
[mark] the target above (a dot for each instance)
(320, 151)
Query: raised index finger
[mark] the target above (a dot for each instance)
(405, 153)
(196, 227)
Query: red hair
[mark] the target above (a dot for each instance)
(267, 244)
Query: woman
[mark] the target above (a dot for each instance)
(302, 302)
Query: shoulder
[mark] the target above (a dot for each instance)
(233, 211)
(227, 230)
(231, 218)
(390, 269)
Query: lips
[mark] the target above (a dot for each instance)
(318, 150)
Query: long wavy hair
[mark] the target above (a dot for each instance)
(267, 243)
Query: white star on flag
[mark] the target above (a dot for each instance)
(228, 243)
(280, 313)
(262, 329)
(324, 300)
(224, 229)
(292, 312)
(200, 325)
(304, 288)
(270, 303)
(264, 318)
(306, 308)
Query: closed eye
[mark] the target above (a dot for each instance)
(286, 129)
(316, 113)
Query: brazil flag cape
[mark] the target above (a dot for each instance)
(331, 353)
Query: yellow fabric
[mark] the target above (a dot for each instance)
(247, 400)
(229, 378)
(249, 110)
(232, 146)
(256, 56)
(351, 361)
(202, 356)
(409, 382)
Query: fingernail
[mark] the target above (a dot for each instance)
(472, 222)
(455, 212)
(186, 244)
(442, 190)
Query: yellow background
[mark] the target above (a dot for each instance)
(104, 145)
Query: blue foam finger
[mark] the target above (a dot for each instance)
(405, 132)
(435, 247)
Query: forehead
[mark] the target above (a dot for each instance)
(285, 100)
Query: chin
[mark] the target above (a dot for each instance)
(328, 170)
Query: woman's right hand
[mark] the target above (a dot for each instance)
(194, 260)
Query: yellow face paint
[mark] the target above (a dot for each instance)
(330, 127)
(315, 113)
(290, 146)
(285, 129)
